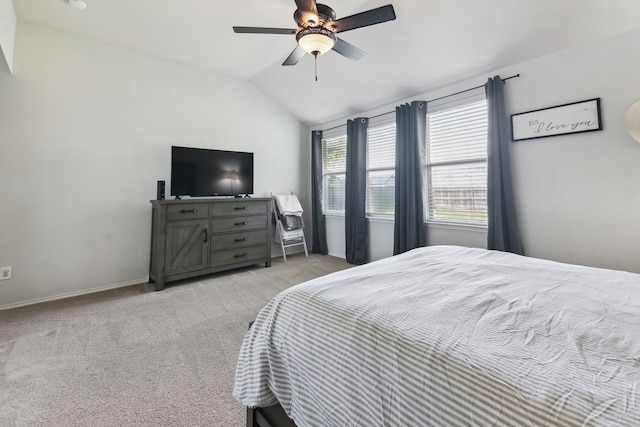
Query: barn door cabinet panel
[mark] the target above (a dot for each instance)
(187, 245)
(192, 238)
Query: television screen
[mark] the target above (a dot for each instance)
(199, 172)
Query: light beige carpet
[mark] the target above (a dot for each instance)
(135, 357)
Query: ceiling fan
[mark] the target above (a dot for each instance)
(317, 29)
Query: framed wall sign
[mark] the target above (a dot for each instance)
(582, 116)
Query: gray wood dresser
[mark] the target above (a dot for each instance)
(201, 236)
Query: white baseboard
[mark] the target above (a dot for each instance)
(73, 294)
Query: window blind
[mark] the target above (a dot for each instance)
(334, 167)
(456, 163)
(381, 152)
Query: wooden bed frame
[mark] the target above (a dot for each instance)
(271, 416)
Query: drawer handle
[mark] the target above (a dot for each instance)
(244, 254)
(241, 208)
(206, 235)
(241, 239)
(242, 223)
(188, 210)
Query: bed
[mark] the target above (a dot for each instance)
(447, 336)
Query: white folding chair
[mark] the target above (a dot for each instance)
(289, 223)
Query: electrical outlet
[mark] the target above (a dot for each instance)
(5, 273)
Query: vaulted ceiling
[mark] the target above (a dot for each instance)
(432, 42)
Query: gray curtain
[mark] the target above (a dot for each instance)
(410, 231)
(355, 192)
(503, 232)
(319, 236)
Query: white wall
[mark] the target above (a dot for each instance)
(85, 133)
(577, 195)
(7, 34)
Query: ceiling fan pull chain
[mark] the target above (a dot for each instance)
(315, 55)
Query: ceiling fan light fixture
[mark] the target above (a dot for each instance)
(316, 40)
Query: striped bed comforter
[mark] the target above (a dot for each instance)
(450, 336)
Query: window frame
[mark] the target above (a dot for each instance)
(458, 101)
(338, 134)
(381, 122)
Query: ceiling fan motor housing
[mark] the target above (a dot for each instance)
(325, 15)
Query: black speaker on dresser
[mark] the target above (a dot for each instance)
(160, 190)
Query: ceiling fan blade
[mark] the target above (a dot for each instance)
(295, 56)
(364, 19)
(348, 50)
(262, 30)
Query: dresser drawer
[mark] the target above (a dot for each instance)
(238, 240)
(238, 255)
(241, 207)
(187, 211)
(238, 224)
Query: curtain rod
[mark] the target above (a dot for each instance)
(432, 100)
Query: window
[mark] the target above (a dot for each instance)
(381, 165)
(381, 150)
(456, 161)
(334, 167)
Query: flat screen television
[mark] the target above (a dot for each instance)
(200, 172)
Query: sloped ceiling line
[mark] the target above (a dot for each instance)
(429, 43)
